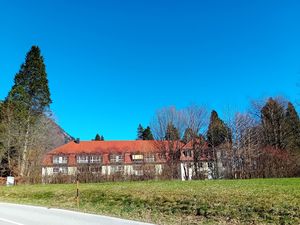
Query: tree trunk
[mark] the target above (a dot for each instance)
(25, 150)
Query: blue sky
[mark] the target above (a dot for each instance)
(112, 64)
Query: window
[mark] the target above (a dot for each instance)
(224, 162)
(88, 169)
(254, 165)
(95, 159)
(149, 157)
(60, 159)
(117, 169)
(162, 156)
(82, 159)
(95, 169)
(56, 170)
(83, 169)
(138, 170)
(210, 165)
(149, 170)
(116, 158)
(62, 170)
(137, 158)
(187, 153)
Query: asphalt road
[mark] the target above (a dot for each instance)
(12, 214)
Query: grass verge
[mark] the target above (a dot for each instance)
(257, 201)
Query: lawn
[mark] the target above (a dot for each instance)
(257, 201)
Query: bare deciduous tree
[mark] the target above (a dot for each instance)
(40, 140)
(193, 118)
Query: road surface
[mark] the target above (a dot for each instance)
(12, 214)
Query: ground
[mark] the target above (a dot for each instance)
(257, 201)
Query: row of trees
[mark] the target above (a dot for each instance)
(263, 142)
(144, 133)
(25, 123)
(99, 138)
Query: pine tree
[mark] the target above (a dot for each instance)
(147, 134)
(31, 84)
(172, 133)
(102, 138)
(189, 134)
(292, 129)
(97, 137)
(218, 132)
(29, 98)
(272, 118)
(140, 131)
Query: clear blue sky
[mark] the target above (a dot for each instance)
(112, 64)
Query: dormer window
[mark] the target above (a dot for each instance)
(149, 157)
(187, 153)
(95, 159)
(60, 159)
(82, 159)
(162, 156)
(138, 158)
(116, 158)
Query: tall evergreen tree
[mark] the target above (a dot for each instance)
(147, 134)
(140, 131)
(102, 138)
(218, 132)
(29, 98)
(292, 129)
(273, 118)
(189, 134)
(172, 133)
(31, 84)
(97, 137)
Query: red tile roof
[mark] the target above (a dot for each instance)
(105, 147)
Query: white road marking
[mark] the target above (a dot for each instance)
(10, 221)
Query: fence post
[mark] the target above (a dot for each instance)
(77, 190)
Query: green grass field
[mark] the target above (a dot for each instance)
(257, 201)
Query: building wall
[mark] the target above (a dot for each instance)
(188, 168)
(129, 163)
(105, 170)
